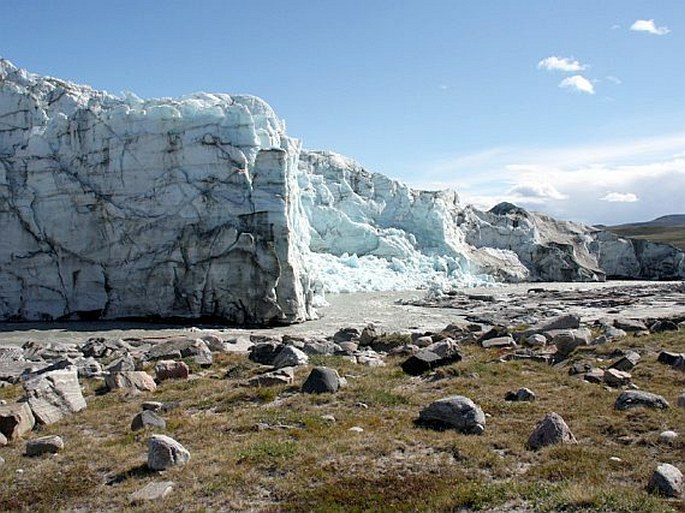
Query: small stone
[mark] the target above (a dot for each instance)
(147, 419)
(356, 429)
(346, 335)
(666, 480)
(663, 325)
(321, 380)
(567, 341)
(328, 418)
(550, 431)
(594, 376)
(44, 445)
(164, 452)
(2, 462)
(634, 398)
(284, 376)
(361, 405)
(616, 378)
(630, 325)
(171, 369)
(3, 440)
(668, 437)
(681, 400)
(522, 394)
(627, 362)
(536, 340)
(153, 491)
(498, 342)
(616, 459)
(423, 341)
(122, 364)
(455, 412)
(152, 405)
(668, 357)
(564, 322)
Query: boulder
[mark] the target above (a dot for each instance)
(164, 452)
(181, 347)
(435, 355)
(124, 363)
(265, 352)
(346, 335)
(666, 480)
(51, 444)
(54, 395)
(147, 419)
(563, 322)
(171, 369)
(290, 356)
(131, 381)
(455, 412)
(16, 420)
(663, 325)
(551, 430)
(634, 398)
(535, 340)
(630, 325)
(321, 380)
(153, 491)
(626, 362)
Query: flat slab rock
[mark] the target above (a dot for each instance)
(54, 395)
(153, 491)
(636, 398)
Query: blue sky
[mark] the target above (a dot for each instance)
(576, 108)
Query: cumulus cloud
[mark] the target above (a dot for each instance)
(536, 191)
(650, 27)
(555, 63)
(620, 197)
(578, 83)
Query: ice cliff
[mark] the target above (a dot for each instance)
(202, 206)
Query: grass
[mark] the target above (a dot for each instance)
(669, 234)
(273, 449)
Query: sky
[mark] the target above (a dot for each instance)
(575, 108)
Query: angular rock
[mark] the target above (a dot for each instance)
(164, 452)
(567, 341)
(626, 362)
(616, 378)
(282, 376)
(368, 335)
(265, 352)
(321, 380)
(681, 400)
(522, 394)
(125, 363)
(88, 367)
(16, 420)
(436, 355)
(499, 342)
(147, 419)
(44, 445)
(170, 369)
(320, 347)
(668, 357)
(635, 398)
(668, 437)
(496, 331)
(455, 412)
(10, 353)
(666, 480)
(290, 356)
(679, 364)
(151, 405)
(536, 340)
(594, 376)
(54, 395)
(153, 491)
(131, 381)
(346, 335)
(564, 322)
(551, 430)
(3, 440)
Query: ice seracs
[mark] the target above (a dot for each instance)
(202, 206)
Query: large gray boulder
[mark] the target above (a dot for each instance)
(54, 395)
(164, 452)
(567, 341)
(455, 412)
(551, 430)
(147, 419)
(50, 444)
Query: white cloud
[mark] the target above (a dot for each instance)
(620, 197)
(555, 63)
(614, 80)
(443, 87)
(536, 191)
(578, 182)
(649, 26)
(578, 83)
(615, 26)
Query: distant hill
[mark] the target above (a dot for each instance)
(669, 229)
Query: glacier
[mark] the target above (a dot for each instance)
(203, 207)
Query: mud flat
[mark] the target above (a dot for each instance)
(512, 304)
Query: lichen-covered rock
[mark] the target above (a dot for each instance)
(455, 412)
(551, 430)
(635, 398)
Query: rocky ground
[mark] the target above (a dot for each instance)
(556, 397)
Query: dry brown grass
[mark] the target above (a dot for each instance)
(270, 450)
